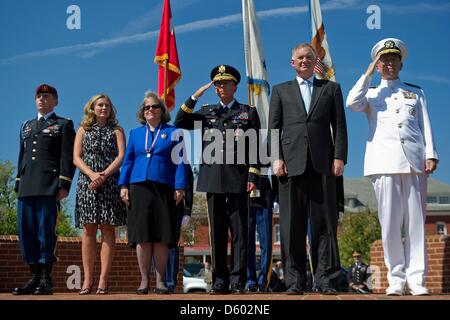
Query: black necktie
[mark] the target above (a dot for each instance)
(41, 123)
(225, 109)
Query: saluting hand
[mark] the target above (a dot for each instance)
(250, 186)
(202, 90)
(372, 65)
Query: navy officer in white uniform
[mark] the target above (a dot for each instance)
(400, 153)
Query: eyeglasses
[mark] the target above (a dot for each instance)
(153, 107)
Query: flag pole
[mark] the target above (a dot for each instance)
(166, 62)
(165, 81)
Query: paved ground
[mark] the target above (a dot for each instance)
(208, 297)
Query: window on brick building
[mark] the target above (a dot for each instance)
(277, 233)
(441, 228)
(432, 199)
(444, 200)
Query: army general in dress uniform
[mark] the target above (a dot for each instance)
(44, 174)
(358, 274)
(400, 153)
(227, 184)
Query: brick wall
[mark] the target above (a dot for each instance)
(438, 278)
(430, 223)
(68, 271)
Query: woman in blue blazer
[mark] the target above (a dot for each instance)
(152, 180)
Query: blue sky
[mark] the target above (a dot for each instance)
(114, 50)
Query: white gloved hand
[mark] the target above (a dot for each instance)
(185, 220)
(276, 208)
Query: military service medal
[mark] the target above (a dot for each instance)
(149, 150)
(409, 95)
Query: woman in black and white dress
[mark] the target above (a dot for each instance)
(98, 152)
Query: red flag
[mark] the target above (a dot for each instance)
(166, 58)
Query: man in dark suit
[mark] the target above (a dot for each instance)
(312, 151)
(226, 182)
(44, 174)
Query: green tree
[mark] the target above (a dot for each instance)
(8, 199)
(357, 232)
(8, 206)
(198, 215)
(64, 225)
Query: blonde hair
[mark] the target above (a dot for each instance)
(165, 115)
(88, 120)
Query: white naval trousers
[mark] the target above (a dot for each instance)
(402, 203)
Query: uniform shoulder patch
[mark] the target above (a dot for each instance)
(412, 85)
(24, 124)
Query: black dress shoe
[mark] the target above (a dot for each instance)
(32, 284)
(29, 288)
(219, 290)
(328, 291)
(45, 287)
(162, 291)
(142, 291)
(262, 288)
(237, 289)
(45, 284)
(294, 291)
(252, 288)
(171, 289)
